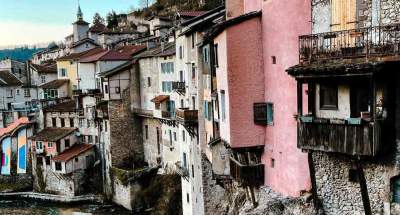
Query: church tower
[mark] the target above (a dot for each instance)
(80, 26)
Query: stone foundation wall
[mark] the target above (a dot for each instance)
(125, 133)
(339, 195)
(151, 152)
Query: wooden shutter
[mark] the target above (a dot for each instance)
(343, 14)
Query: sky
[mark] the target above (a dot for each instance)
(28, 22)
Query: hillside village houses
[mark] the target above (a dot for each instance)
(246, 107)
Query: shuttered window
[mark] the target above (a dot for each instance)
(343, 14)
(263, 113)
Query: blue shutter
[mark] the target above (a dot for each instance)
(270, 113)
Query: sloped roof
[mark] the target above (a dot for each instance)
(97, 28)
(52, 134)
(8, 79)
(169, 49)
(77, 56)
(107, 55)
(160, 98)
(55, 84)
(132, 49)
(81, 22)
(119, 68)
(82, 41)
(17, 123)
(72, 152)
(52, 68)
(191, 13)
(68, 106)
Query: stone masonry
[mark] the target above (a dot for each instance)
(125, 133)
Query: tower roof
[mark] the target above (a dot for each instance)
(79, 15)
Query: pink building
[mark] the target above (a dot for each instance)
(254, 98)
(283, 21)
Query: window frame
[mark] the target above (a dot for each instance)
(324, 88)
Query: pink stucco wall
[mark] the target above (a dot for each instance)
(282, 22)
(245, 82)
(252, 5)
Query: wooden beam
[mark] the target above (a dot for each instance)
(364, 188)
(317, 203)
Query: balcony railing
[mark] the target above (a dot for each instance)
(340, 136)
(247, 174)
(355, 43)
(186, 115)
(178, 86)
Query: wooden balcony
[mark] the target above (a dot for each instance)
(379, 41)
(247, 174)
(179, 86)
(186, 116)
(358, 138)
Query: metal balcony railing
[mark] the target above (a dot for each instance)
(368, 42)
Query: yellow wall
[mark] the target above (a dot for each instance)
(71, 73)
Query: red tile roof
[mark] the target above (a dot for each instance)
(77, 56)
(122, 53)
(72, 152)
(160, 98)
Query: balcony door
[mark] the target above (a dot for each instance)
(343, 15)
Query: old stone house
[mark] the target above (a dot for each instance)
(349, 124)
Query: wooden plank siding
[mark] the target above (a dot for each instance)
(360, 140)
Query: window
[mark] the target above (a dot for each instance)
(96, 139)
(192, 171)
(117, 90)
(71, 122)
(76, 159)
(205, 55)
(328, 97)
(146, 131)
(105, 126)
(106, 88)
(66, 143)
(272, 163)
(9, 93)
(50, 145)
(47, 160)
(170, 137)
(183, 135)
(58, 166)
(193, 71)
(260, 113)
(17, 92)
(43, 79)
(53, 122)
(184, 160)
(193, 40)
(187, 197)
(27, 92)
(180, 52)
(39, 145)
(182, 104)
(273, 58)
(63, 72)
(193, 103)
(62, 122)
(175, 136)
(148, 81)
(216, 55)
(167, 67)
(90, 139)
(223, 105)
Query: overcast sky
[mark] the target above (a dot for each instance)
(41, 21)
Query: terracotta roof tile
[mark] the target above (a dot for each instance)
(160, 98)
(191, 13)
(72, 152)
(77, 56)
(52, 134)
